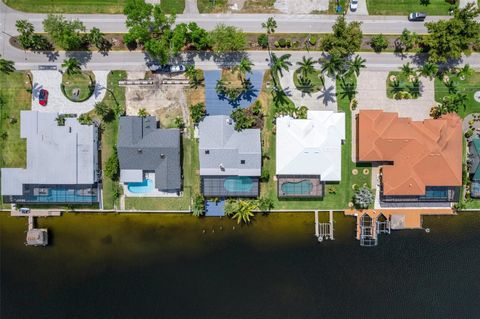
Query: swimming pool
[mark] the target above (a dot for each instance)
(240, 184)
(139, 188)
(297, 188)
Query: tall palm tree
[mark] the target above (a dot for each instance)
(270, 25)
(451, 86)
(241, 210)
(279, 97)
(71, 65)
(465, 71)
(244, 67)
(7, 66)
(356, 64)
(277, 64)
(333, 66)
(460, 99)
(143, 112)
(415, 88)
(348, 89)
(428, 70)
(306, 66)
(406, 69)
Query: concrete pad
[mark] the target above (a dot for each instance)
(57, 102)
(304, 6)
(361, 9)
(324, 100)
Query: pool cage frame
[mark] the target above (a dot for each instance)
(213, 186)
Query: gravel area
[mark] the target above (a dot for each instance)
(303, 6)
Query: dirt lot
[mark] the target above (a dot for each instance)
(165, 101)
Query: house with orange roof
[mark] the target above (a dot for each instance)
(421, 161)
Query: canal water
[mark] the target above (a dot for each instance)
(171, 266)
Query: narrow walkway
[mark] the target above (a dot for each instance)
(191, 7)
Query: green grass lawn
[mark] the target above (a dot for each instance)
(468, 86)
(191, 183)
(405, 85)
(82, 81)
(13, 98)
(208, 6)
(314, 83)
(109, 132)
(85, 6)
(404, 7)
(343, 191)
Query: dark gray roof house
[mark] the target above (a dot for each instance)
(143, 147)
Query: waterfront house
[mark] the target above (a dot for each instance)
(309, 153)
(149, 157)
(230, 161)
(421, 161)
(61, 165)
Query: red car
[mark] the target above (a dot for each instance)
(43, 97)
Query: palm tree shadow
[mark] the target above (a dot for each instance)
(328, 95)
(36, 90)
(51, 55)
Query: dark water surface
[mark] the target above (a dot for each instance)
(151, 266)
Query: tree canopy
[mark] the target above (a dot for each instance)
(227, 39)
(66, 34)
(345, 39)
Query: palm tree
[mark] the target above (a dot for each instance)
(356, 64)
(279, 97)
(465, 71)
(270, 26)
(241, 210)
(348, 89)
(406, 69)
(96, 37)
(143, 112)
(306, 66)
(305, 84)
(7, 66)
(277, 64)
(460, 99)
(244, 67)
(396, 86)
(451, 86)
(428, 70)
(333, 66)
(192, 75)
(415, 88)
(71, 65)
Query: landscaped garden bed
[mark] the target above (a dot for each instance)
(403, 86)
(308, 83)
(78, 87)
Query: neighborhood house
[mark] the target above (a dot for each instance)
(230, 161)
(62, 162)
(309, 153)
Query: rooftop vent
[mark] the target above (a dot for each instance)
(139, 151)
(162, 156)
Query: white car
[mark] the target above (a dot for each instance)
(353, 5)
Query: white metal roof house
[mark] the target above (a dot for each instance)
(230, 161)
(62, 162)
(309, 153)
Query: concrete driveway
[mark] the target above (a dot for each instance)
(322, 100)
(57, 102)
(361, 9)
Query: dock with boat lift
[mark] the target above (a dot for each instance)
(324, 230)
(35, 236)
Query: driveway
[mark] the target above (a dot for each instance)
(323, 100)
(372, 95)
(361, 9)
(57, 102)
(304, 6)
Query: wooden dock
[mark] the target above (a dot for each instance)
(36, 213)
(324, 230)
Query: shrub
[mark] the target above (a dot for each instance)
(469, 133)
(265, 204)
(312, 40)
(116, 191)
(198, 208)
(276, 44)
(265, 175)
(85, 119)
(378, 43)
(197, 112)
(363, 197)
(112, 167)
(282, 43)
(262, 40)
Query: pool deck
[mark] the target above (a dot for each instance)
(317, 186)
(413, 217)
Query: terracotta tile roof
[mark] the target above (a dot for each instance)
(424, 153)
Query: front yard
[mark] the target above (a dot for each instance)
(404, 7)
(468, 87)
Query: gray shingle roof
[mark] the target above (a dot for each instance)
(224, 151)
(143, 146)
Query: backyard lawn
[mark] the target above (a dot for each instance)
(468, 86)
(191, 184)
(337, 195)
(13, 98)
(404, 7)
(85, 6)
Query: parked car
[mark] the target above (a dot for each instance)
(43, 97)
(417, 16)
(167, 68)
(353, 5)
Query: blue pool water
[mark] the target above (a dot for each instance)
(297, 188)
(241, 184)
(139, 188)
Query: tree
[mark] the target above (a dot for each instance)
(378, 43)
(265, 204)
(345, 39)
(241, 210)
(192, 74)
(333, 66)
(198, 208)
(428, 70)
(66, 34)
(243, 120)
(71, 65)
(277, 64)
(85, 119)
(270, 25)
(244, 67)
(96, 37)
(305, 84)
(227, 39)
(465, 71)
(7, 66)
(26, 30)
(407, 69)
(112, 167)
(363, 197)
(280, 98)
(143, 112)
(179, 123)
(197, 112)
(451, 86)
(262, 40)
(407, 39)
(104, 111)
(415, 87)
(348, 89)
(355, 65)
(396, 86)
(449, 39)
(306, 66)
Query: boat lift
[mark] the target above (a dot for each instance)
(324, 230)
